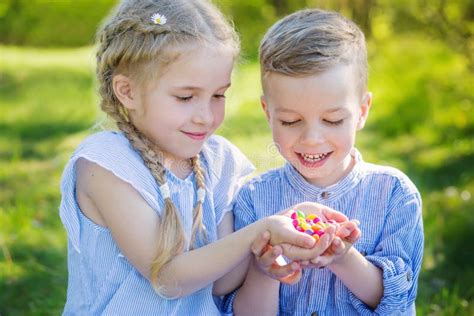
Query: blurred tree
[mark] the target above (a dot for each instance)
(73, 22)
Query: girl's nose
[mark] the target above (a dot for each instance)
(203, 114)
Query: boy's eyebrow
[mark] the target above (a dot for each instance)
(284, 110)
(336, 109)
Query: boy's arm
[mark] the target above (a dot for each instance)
(394, 266)
(360, 276)
(259, 294)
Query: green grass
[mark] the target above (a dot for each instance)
(421, 122)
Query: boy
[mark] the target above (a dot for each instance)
(314, 78)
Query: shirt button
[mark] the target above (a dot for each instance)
(314, 314)
(325, 195)
(408, 276)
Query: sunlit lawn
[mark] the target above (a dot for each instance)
(422, 122)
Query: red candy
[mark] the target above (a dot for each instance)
(311, 224)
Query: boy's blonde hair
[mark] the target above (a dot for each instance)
(311, 41)
(130, 43)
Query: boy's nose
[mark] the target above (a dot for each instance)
(313, 136)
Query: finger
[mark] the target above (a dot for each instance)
(259, 244)
(329, 213)
(298, 253)
(269, 257)
(290, 235)
(292, 278)
(354, 236)
(337, 247)
(283, 271)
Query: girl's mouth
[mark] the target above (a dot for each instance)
(196, 136)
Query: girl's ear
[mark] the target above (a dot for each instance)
(364, 110)
(123, 90)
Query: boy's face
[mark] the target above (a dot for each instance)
(314, 120)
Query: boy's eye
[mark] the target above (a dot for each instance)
(219, 96)
(338, 122)
(289, 123)
(184, 98)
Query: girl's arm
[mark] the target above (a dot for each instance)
(134, 225)
(233, 279)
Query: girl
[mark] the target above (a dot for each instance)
(143, 207)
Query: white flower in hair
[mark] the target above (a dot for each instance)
(158, 19)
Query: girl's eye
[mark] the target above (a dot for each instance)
(219, 96)
(289, 123)
(184, 98)
(338, 122)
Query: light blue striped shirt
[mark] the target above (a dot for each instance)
(101, 280)
(388, 206)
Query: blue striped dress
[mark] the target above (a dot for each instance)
(101, 280)
(388, 206)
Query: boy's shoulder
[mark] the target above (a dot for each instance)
(268, 180)
(388, 174)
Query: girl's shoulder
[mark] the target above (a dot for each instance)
(223, 157)
(105, 141)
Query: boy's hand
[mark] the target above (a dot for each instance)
(266, 256)
(347, 234)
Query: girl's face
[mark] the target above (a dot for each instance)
(314, 120)
(185, 104)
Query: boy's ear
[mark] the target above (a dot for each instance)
(123, 90)
(364, 110)
(263, 101)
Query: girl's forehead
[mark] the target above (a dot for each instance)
(198, 67)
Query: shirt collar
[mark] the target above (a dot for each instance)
(331, 192)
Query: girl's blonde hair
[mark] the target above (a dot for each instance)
(311, 41)
(131, 43)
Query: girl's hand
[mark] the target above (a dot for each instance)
(266, 259)
(281, 230)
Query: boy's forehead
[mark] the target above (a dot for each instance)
(340, 79)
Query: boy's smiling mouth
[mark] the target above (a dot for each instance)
(313, 160)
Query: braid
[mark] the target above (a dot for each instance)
(172, 236)
(198, 227)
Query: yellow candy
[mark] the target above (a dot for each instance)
(311, 216)
(305, 226)
(316, 227)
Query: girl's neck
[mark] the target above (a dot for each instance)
(180, 168)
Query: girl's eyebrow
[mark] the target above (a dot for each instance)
(200, 88)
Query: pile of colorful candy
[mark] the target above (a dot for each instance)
(311, 224)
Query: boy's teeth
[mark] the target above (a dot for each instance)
(313, 158)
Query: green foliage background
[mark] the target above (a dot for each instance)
(422, 121)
